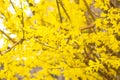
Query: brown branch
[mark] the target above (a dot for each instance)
(88, 27)
(1, 13)
(30, 5)
(57, 2)
(10, 48)
(22, 21)
(77, 1)
(23, 25)
(90, 12)
(7, 36)
(12, 5)
(45, 44)
(65, 11)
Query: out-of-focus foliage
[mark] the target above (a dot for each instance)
(60, 40)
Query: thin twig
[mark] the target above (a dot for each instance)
(30, 5)
(7, 36)
(23, 26)
(88, 27)
(89, 10)
(10, 48)
(57, 2)
(22, 21)
(45, 44)
(1, 13)
(65, 11)
(12, 5)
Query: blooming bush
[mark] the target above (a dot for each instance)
(60, 40)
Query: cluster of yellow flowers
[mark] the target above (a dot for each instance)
(60, 39)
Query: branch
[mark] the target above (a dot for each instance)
(12, 5)
(65, 11)
(30, 5)
(10, 48)
(7, 36)
(88, 27)
(45, 44)
(89, 10)
(22, 21)
(57, 2)
(23, 25)
(1, 13)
